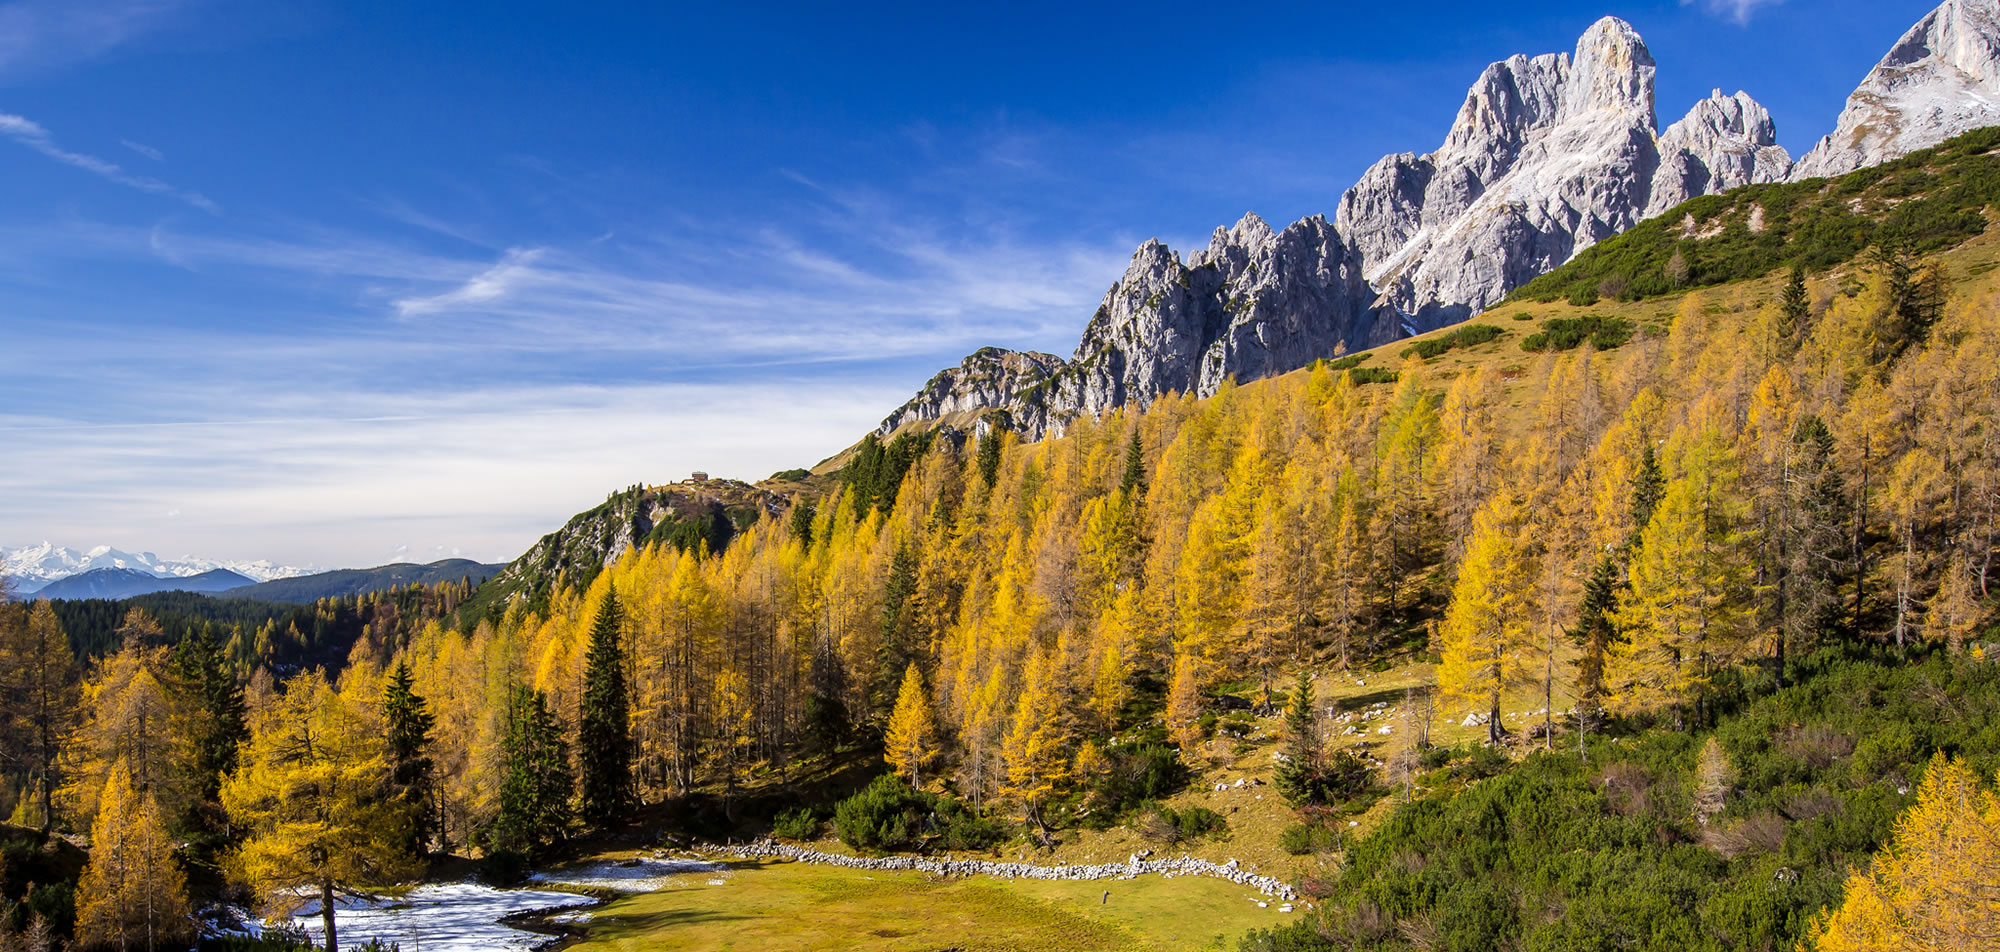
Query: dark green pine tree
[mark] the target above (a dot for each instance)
(1796, 307)
(1134, 483)
(898, 635)
(604, 731)
(989, 455)
(1299, 778)
(411, 780)
(535, 780)
(1593, 633)
(802, 523)
(206, 678)
(1649, 486)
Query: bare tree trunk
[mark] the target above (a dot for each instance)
(326, 914)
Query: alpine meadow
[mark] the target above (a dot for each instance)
(1583, 541)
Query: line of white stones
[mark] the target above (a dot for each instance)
(1183, 866)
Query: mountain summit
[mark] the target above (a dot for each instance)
(1548, 155)
(1941, 79)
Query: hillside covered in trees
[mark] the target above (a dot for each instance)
(1710, 569)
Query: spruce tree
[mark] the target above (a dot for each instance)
(1300, 778)
(1648, 485)
(989, 456)
(410, 778)
(604, 731)
(1594, 633)
(1796, 307)
(206, 679)
(535, 779)
(898, 627)
(1134, 483)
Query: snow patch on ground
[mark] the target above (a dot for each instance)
(630, 876)
(449, 917)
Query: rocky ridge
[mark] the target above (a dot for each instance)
(1941, 79)
(1547, 156)
(989, 377)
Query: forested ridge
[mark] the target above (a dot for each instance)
(1737, 565)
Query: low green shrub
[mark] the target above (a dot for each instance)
(1301, 839)
(1163, 824)
(795, 825)
(887, 815)
(1470, 335)
(1567, 333)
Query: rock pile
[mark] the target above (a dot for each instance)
(1133, 867)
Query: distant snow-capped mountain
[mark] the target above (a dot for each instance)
(34, 566)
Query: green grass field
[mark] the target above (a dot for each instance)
(794, 906)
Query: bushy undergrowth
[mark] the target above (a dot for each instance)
(1133, 775)
(795, 825)
(1338, 779)
(888, 815)
(1165, 825)
(1470, 335)
(1928, 201)
(1604, 852)
(1567, 333)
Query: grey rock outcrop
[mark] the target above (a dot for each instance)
(1548, 156)
(1941, 79)
(1254, 303)
(989, 377)
(1724, 142)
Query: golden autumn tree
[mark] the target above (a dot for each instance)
(1488, 628)
(133, 894)
(1036, 748)
(311, 794)
(911, 741)
(1687, 611)
(135, 723)
(38, 697)
(1936, 887)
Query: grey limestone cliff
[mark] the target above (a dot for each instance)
(1941, 79)
(1548, 155)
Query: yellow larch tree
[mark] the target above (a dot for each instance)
(133, 722)
(1936, 887)
(133, 894)
(911, 742)
(1686, 614)
(1037, 744)
(309, 795)
(1488, 628)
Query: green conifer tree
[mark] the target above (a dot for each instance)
(604, 732)
(410, 776)
(535, 781)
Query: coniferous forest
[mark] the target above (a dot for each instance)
(1718, 596)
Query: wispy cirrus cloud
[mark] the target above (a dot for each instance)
(1735, 11)
(144, 149)
(31, 134)
(38, 34)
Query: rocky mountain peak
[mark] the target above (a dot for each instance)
(1547, 155)
(1612, 70)
(1942, 78)
(1721, 119)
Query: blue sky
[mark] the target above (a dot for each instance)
(347, 283)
